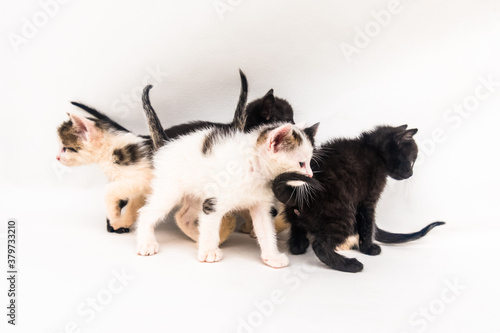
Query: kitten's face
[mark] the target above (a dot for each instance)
(289, 148)
(401, 154)
(267, 110)
(77, 144)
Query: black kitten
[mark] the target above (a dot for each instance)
(268, 109)
(349, 177)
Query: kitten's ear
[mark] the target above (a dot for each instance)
(312, 130)
(268, 104)
(277, 136)
(401, 128)
(84, 127)
(406, 135)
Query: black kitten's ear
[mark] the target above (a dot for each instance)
(406, 135)
(401, 128)
(268, 104)
(311, 131)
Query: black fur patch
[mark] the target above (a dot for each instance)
(209, 205)
(268, 110)
(310, 133)
(127, 155)
(122, 203)
(105, 122)
(273, 212)
(216, 135)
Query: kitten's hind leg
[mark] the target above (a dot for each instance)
(187, 220)
(159, 204)
(324, 249)
(247, 226)
(365, 220)
(187, 217)
(113, 201)
(266, 236)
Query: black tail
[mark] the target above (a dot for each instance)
(291, 195)
(390, 238)
(240, 116)
(100, 116)
(155, 129)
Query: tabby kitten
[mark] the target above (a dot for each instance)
(349, 178)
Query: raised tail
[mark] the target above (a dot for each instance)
(240, 116)
(391, 238)
(294, 189)
(93, 112)
(155, 129)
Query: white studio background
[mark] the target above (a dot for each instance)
(349, 64)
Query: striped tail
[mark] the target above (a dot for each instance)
(156, 131)
(240, 116)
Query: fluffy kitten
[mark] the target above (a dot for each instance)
(349, 177)
(221, 170)
(265, 110)
(124, 157)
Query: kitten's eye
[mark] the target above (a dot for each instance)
(70, 149)
(302, 164)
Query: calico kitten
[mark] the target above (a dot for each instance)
(221, 170)
(124, 157)
(349, 177)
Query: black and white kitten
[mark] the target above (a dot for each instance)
(349, 178)
(189, 170)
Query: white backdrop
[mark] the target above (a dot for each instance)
(350, 65)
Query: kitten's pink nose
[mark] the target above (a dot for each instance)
(309, 171)
(58, 158)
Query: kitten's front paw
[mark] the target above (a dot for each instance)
(147, 248)
(298, 245)
(210, 256)
(372, 250)
(118, 230)
(277, 261)
(351, 265)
